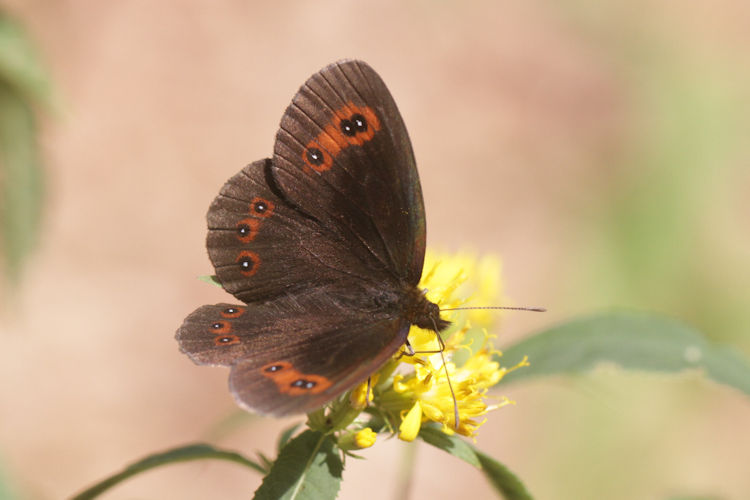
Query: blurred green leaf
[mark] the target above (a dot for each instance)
(7, 492)
(175, 455)
(633, 341)
(501, 478)
(23, 85)
(20, 65)
(309, 467)
(21, 189)
(450, 443)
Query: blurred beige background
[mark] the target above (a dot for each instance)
(536, 126)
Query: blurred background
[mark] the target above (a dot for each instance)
(599, 147)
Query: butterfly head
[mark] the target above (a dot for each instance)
(423, 313)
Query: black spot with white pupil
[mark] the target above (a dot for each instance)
(315, 156)
(230, 310)
(217, 326)
(274, 368)
(305, 384)
(225, 340)
(260, 207)
(247, 263)
(356, 124)
(243, 229)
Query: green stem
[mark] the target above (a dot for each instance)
(175, 455)
(406, 471)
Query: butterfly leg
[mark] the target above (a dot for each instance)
(411, 352)
(368, 394)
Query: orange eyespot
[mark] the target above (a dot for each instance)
(220, 327)
(292, 382)
(248, 262)
(233, 312)
(260, 207)
(227, 340)
(247, 229)
(351, 126)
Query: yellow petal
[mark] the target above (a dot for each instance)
(410, 425)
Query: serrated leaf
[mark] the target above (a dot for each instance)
(175, 455)
(501, 478)
(633, 341)
(309, 467)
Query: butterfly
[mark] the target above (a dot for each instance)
(324, 245)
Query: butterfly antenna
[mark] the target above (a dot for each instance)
(508, 308)
(447, 375)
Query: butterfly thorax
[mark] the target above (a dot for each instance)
(421, 312)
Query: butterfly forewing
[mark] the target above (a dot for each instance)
(343, 155)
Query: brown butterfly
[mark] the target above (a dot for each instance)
(324, 244)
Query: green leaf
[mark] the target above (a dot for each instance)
(20, 65)
(287, 435)
(23, 86)
(175, 455)
(20, 181)
(7, 492)
(631, 340)
(213, 280)
(450, 443)
(504, 481)
(308, 468)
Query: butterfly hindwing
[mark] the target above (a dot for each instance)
(343, 155)
(296, 353)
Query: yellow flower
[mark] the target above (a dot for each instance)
(357, 439)
(465, 370)
(365, 438)
(434, 386)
